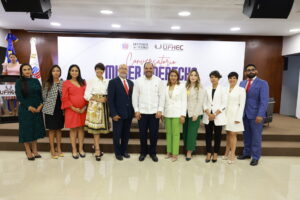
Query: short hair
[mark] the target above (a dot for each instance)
(148, 63)
(249, 65)
(215, 74)
(233, 74)
(99, 66)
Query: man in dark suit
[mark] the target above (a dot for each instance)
(255, 110)
(121, 110)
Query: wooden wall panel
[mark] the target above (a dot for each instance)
(263, 51)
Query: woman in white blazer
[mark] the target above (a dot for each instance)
(234, 115)
(174, 113)
(195, 97)
(215, 102)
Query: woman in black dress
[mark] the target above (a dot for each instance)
(54, 118)
(31, 124)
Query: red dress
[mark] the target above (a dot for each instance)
(73, 96)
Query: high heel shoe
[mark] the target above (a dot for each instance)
(98, 157)
(54, 156)
(75, 156)
(32, 158)
(174, 158)
(37, 156)
(208, 160)
(61, 155)
(214, 160)
(82, 155)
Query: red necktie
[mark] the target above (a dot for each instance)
(248, 85)
(125, 86)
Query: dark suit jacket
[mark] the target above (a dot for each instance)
(257, 98)
(119, 102)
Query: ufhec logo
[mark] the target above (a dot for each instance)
(169, 47)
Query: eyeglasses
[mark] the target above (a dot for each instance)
(250, 70)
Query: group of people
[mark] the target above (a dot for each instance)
(86, 106)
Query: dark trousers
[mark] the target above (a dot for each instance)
(148, 122)
(121, 132)
(209, 129)
(252, 138)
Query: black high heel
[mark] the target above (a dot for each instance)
(82, 155)
(37, 156)
(208, 160)
(75, 156)
(32, 158)
(98, 157)
(214, 160)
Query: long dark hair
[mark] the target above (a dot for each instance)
(49, 81)
(79, 79)
(24, 84)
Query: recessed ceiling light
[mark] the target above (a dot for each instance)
(106, 12)
(294, 30)
(235, 29)
(175, 27)
(184, 13)
(55, 24)
(116, 25)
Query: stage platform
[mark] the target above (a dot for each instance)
(280, 138)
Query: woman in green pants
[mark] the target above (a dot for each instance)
(174, 113)
(195, 97)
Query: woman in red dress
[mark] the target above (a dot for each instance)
(74, 105)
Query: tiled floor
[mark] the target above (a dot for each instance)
(275, 178)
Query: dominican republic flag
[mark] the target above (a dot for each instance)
(10, 38)
(34, 62)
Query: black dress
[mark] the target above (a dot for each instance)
(55, 121)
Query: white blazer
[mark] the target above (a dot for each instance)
(218, 103)
(195, 100)
(175, 106)
(235, 104)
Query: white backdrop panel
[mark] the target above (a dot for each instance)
(182, 55)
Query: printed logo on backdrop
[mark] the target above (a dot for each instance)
(36, 72)
(169, 47)
(125, 46)
(140, 46)
(7, 90)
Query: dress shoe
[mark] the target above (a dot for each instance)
(188, 159)
(31, 158)
(119, 157)
(154, 158)
(98, 157)
(54, 156)
(208, 160)
(126, 155)
(214, 160)
(75, 156)
(168, 156)
(37, 156)
(254, 162)
(230, 161)
(142, 157)
(82, 155)
(242, 157)
(174, 158)
(224, 157)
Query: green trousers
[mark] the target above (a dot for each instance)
(190, 132)
(173, 128)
